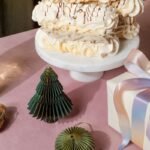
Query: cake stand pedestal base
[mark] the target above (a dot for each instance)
(84, 69)
(86, 76)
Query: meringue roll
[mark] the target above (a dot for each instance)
(91, 28)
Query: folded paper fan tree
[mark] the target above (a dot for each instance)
(49, 103)
(74, 138)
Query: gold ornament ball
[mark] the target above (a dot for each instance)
(2, 115)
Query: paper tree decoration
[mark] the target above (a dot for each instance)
(75, 138)
(2, 115)
(49, 103)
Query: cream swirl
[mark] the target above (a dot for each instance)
(87, 17)
(130, 7)
(80, 45)
(128, 28)
(131, 31)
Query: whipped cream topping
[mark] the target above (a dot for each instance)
(81, 17)
(131, 31)
(130, 8)
(83, 45)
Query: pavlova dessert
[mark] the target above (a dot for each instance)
(91, 28)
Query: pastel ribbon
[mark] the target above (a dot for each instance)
(138, 64)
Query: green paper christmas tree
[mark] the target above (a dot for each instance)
(49, 103)
(75, 138)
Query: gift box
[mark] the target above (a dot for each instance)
(135, 108)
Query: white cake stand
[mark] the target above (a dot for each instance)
(83, 68)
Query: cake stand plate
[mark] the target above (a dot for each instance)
(83, 68)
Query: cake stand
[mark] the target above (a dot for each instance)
(85, 69)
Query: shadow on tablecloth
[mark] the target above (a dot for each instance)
(102, 140)
(80, 98)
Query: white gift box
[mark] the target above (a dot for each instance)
(128, 99)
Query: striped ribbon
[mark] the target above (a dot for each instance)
(138, 64)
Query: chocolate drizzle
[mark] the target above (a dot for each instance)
(79, 12)
(59, 6)
(75, 9)
(84, 17)
(98, 11)
(88, 13)
(92, 13)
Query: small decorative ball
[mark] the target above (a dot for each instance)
(75, 138)
(2, 115)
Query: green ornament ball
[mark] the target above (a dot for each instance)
(75, 138)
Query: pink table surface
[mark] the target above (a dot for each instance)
(22, 132)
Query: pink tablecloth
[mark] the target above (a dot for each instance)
(22, 132)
